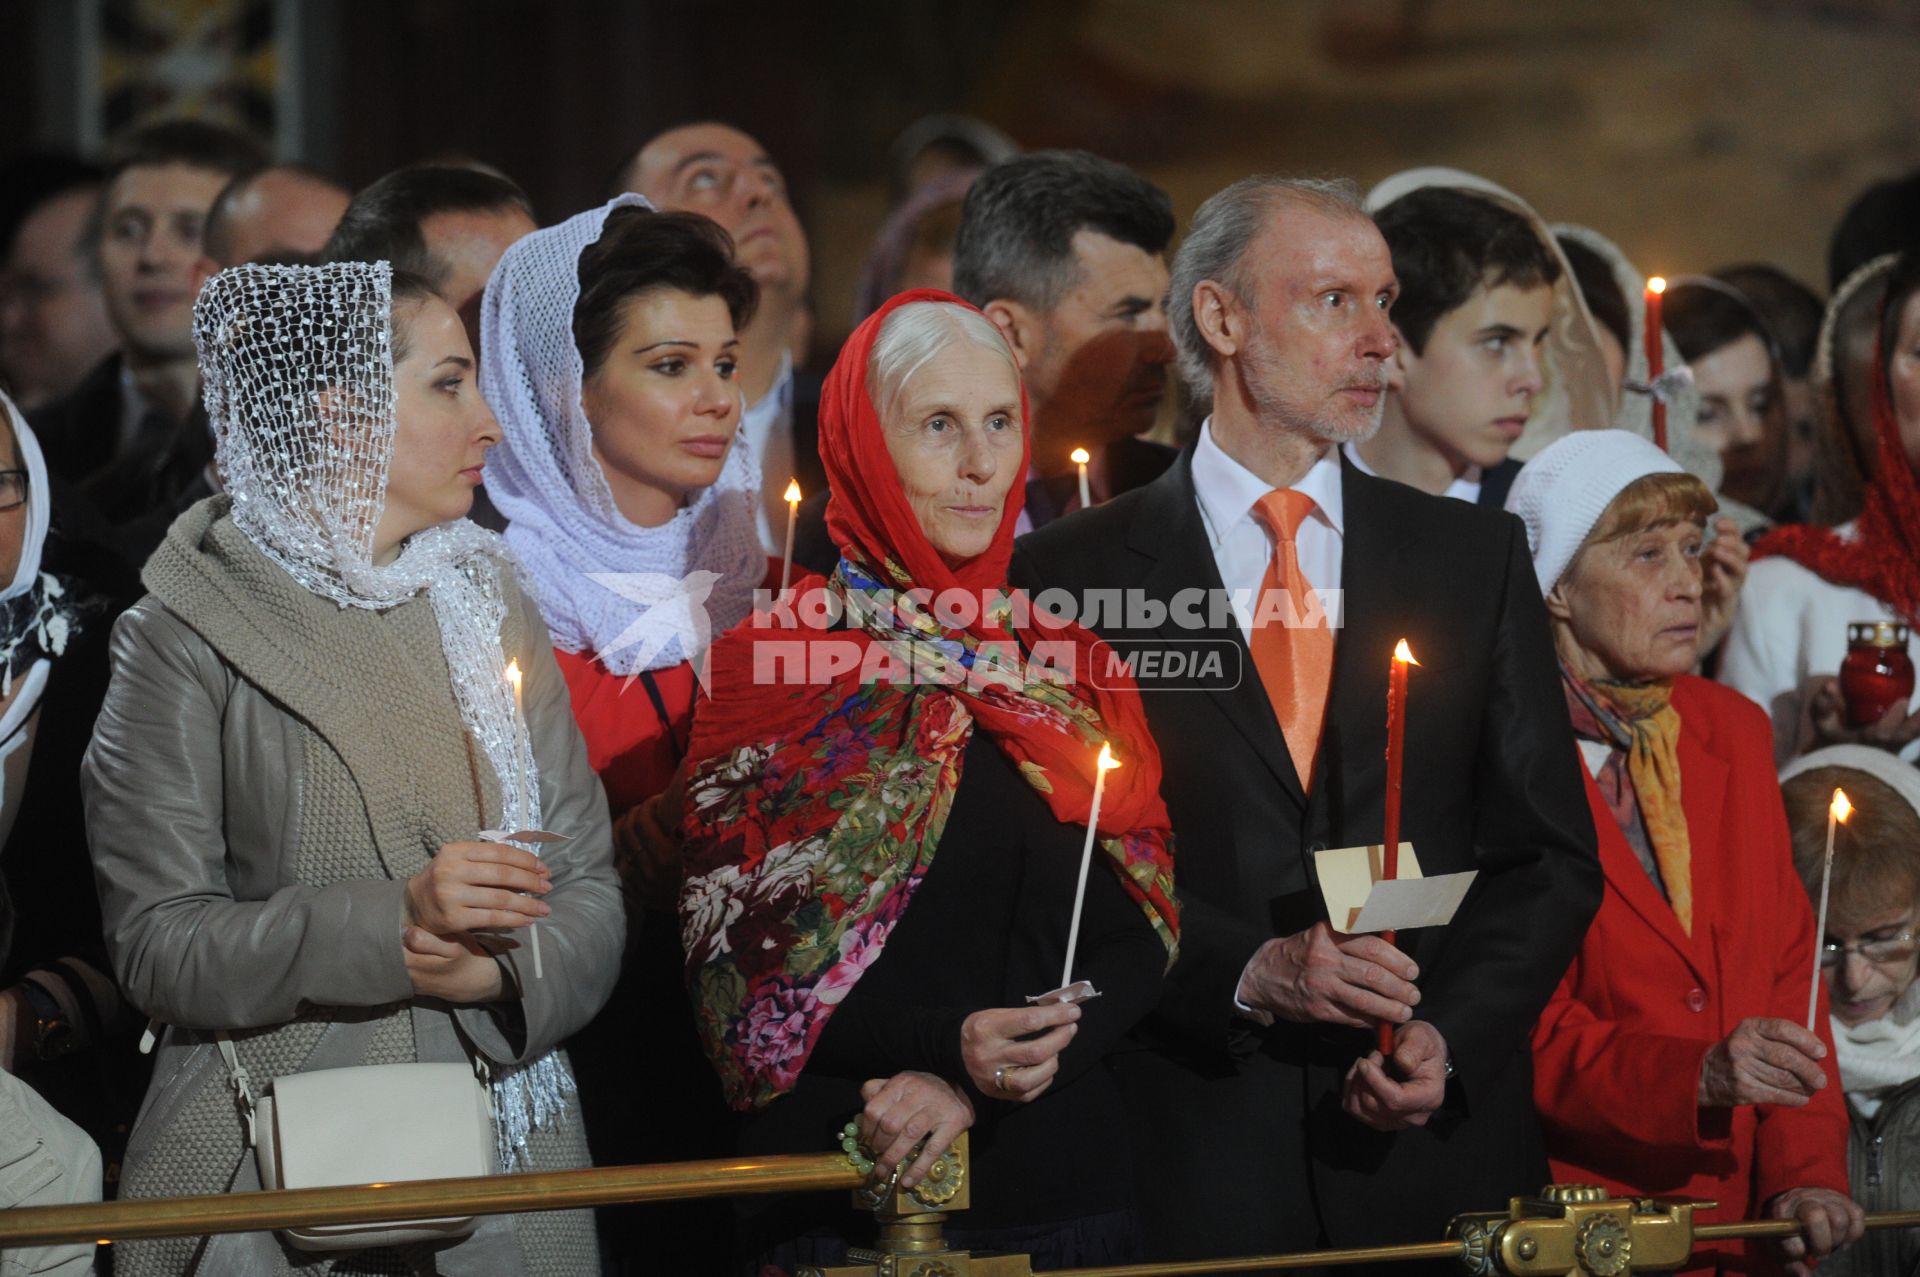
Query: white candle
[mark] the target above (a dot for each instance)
(1081, 457)
(1106, 763)
(1837, 813)
(793, 516)
(520, 729)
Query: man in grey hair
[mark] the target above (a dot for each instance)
(1268, 1119)
(1066, 253)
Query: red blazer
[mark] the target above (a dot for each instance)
(1618, 1050)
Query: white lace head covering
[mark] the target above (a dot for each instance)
(1577, 395)
(629, 595)
(297, 368)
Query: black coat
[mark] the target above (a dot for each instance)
(1240, 1139)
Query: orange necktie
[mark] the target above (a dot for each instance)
(1295, 660)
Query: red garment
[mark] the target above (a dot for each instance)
(634, 749)
(1618, 1050)
(1882, 556)
(629, 744)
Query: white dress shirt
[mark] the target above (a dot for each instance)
(768, 424)
(1466, 487)
(1242, 546)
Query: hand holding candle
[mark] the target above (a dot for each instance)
(1081, 457)
(1656, 287)
(1837, 813)
(792, 497)
(1396, 759)
(520, 733)
(1104, 764)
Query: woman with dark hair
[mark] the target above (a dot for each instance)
(1810, 582)
(309, 745)
(611, 350)
(1737, 372)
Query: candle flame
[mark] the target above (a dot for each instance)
(1841, 808)
(513, 673)
(1080, 456)
(793, 491)
(1656, 285)
(1107, 761)
(1404, 654)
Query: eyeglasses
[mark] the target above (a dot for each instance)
(1887, 949)
(13, 489)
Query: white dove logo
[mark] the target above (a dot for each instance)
(672, 609)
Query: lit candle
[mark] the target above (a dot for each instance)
(1080, 457)
(1655, 358)
(793, 516)
(1104, 764)
(1396, 760)
(1837, 813)
(520, 729)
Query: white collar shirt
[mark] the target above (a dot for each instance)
(1242, 546)
(1465, 487)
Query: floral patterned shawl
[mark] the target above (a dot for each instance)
(815, 807)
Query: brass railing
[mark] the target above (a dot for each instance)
(1566, 1229)
(423, 1199)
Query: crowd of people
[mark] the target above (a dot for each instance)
(416, 657)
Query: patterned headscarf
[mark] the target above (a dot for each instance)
(815, 809)
(1638, 719)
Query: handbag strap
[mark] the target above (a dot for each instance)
(242, 1082)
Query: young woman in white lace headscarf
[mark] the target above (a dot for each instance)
(610, 344)
(1869, 958)
(308, 728)
(609, 349)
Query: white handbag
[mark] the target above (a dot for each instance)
(369, 1124)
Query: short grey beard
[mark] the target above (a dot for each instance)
(1261, 374)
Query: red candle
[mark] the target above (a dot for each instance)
(1655, 287)
(1396, 760)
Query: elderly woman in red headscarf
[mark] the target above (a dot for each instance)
(885, 820)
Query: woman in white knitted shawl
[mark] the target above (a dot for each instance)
(308, 729)
(609, 348)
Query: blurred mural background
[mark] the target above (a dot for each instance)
(1694, 133)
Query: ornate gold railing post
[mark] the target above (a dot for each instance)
(912, 1226)
(1578, 1230)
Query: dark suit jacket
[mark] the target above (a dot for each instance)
(80, 432)
(1242, 1147)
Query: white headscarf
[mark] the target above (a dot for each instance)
(630, 595)
(297, 368)
(39, 508)
(1577, 395)
(36, 614)
(1681, 396)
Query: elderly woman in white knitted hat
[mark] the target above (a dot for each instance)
(298, 786)
(1869, 957)
(1670, 1061)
